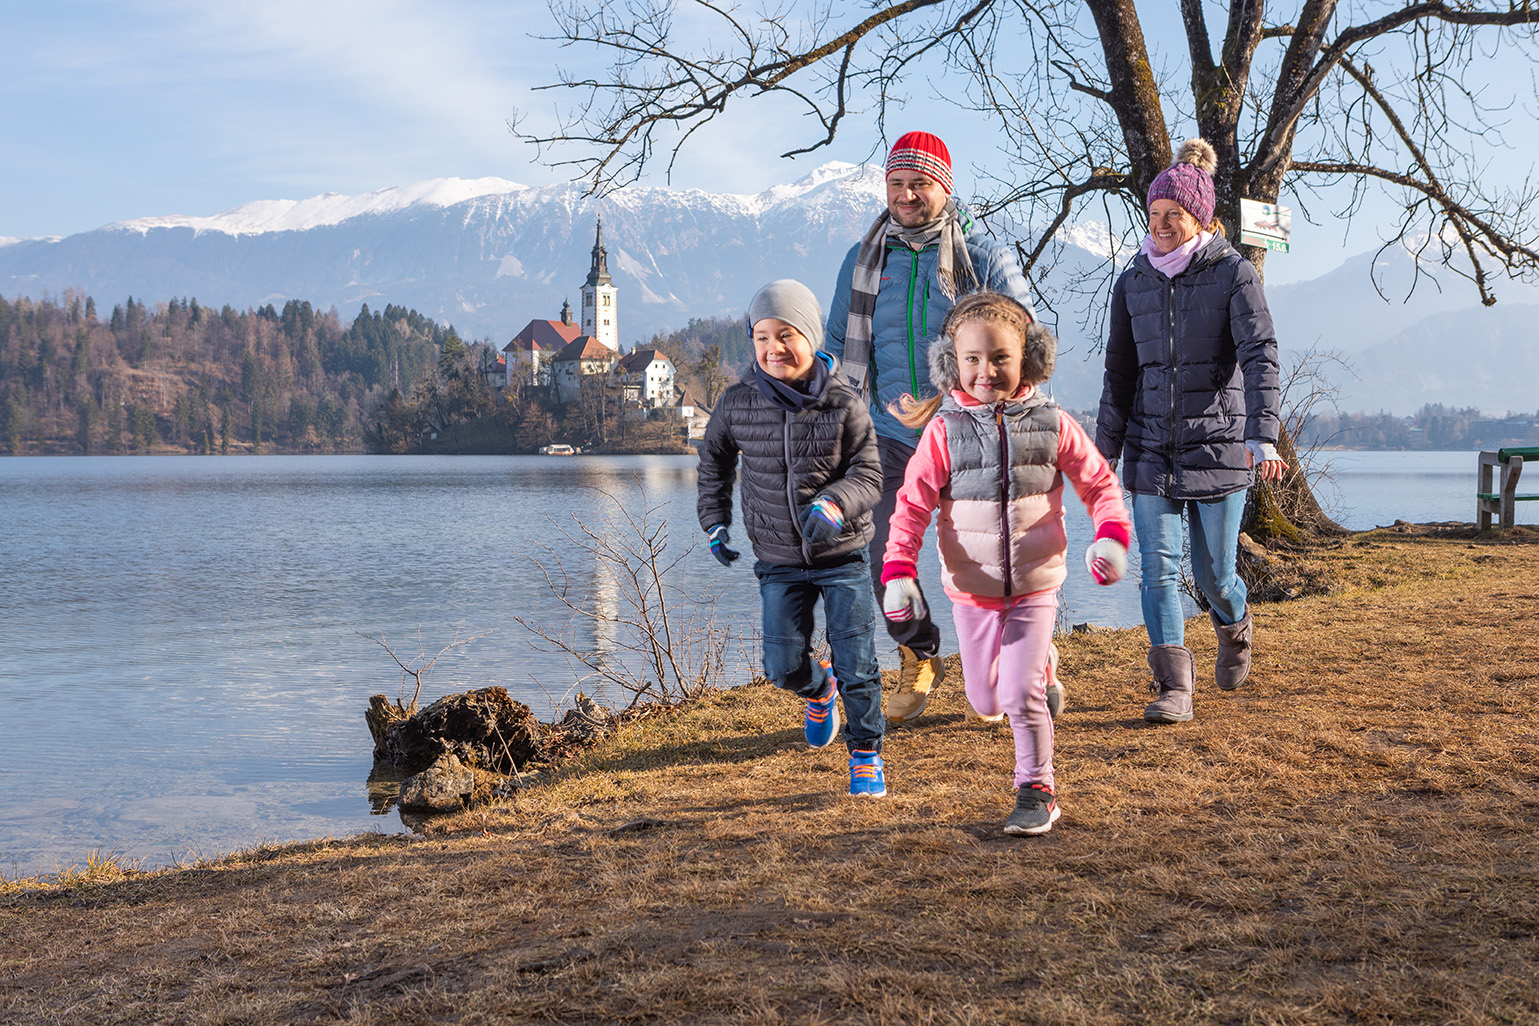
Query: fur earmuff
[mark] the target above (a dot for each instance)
(1039, 357)
(1041, 354)
(943, 364)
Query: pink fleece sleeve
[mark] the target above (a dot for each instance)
(929, 470)
(1093, 480)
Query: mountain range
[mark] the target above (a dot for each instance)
(488, 255)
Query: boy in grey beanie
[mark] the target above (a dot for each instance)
(810, 480)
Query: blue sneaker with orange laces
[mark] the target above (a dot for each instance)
(866, 780)
(822, 720)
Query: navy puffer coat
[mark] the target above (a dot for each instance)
(1191, 373)
(790, 458)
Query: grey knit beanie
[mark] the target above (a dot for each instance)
(790, 301)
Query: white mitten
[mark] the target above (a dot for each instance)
(902, 601)
(1107, 560)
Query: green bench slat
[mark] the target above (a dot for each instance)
(1527, 452)
(1493, 496)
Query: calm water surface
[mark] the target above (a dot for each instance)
(180, 665)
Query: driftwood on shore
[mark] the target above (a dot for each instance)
(484, 728)
(477, 746)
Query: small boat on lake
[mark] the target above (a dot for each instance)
(559, 449)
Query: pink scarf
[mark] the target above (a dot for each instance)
(1173, 263)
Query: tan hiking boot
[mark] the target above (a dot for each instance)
(977, 719)
(916, 679)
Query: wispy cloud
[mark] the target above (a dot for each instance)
(447, 71)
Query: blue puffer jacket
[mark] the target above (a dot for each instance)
(1191, 373)
(910, 310)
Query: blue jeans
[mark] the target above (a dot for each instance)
(789, 594)
(1214, 525)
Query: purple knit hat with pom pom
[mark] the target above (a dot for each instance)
(1189, 181)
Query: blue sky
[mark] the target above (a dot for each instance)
(152, 107)
(155, 107)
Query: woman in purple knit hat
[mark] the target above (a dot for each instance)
(1190, 407)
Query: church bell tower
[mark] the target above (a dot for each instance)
(599, 307)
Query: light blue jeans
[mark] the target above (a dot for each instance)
(1214, 525)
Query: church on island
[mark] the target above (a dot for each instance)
(560, 354)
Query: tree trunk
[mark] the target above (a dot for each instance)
(1288, 510)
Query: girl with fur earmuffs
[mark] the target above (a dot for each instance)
(993, 458)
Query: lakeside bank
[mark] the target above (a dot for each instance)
(1349, 838)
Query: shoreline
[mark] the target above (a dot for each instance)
(111, 861)
(1347, 837)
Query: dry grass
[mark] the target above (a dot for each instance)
(1349, 839)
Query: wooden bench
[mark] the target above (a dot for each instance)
(1501, 501)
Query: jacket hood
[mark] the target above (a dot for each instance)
(960, 401)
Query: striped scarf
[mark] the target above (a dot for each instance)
(953, 267)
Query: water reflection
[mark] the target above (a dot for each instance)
(384, 787)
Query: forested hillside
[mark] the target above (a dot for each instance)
(180, 377)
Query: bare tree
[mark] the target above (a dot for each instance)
(1306, 387)
(1320, 101)
(631, 624)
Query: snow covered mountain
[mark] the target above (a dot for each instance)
(487, 255)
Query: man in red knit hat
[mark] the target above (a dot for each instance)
(893, 294)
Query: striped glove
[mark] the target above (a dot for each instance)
(718, 537)
(822, 521)
(1107, 560)
(903, 601)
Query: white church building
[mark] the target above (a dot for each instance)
(563, 352)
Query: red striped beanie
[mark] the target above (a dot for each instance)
(922, 152)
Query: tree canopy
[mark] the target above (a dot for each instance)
(1311, 101)
(1315, 100)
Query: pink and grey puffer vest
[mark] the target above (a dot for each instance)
(1000, 527)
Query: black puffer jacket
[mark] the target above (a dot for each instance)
(789, 459)
(1191, 373)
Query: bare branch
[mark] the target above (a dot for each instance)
(650, 640)
(419, 667)
(1288, 109)
(690, 91)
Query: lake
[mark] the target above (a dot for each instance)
(181, 663)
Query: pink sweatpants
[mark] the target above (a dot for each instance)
(1005, 658)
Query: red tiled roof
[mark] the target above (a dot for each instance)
(585, 348)
(543, 336)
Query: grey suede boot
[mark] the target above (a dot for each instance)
(1233, 664)
(1174, 682)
